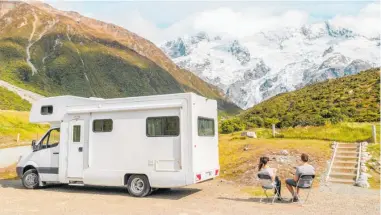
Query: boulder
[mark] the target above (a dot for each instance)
(284, 152)
(250, 134)
(363, 181)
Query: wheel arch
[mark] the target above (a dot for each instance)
(128, 175)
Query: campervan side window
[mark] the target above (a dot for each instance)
(102, 125)
(205, 126)
(46, 110)
(163, 126)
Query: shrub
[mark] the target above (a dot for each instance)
(231, 125)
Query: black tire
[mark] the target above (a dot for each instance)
(138, 186)
(31, 179)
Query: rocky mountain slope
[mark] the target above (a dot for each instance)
(53, 52)
(252, 69)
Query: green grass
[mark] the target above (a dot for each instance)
(13, 123)
(11, 101)
(374, 150)
(343, 132)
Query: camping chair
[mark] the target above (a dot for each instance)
(267, 184)
(305, 182)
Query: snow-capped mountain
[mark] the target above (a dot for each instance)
(252, 69)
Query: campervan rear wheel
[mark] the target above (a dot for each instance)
(138, 185)
(30, 179)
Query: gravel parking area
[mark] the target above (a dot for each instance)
(213, 197)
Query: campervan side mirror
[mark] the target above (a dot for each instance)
(34, 148)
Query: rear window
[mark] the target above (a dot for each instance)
(205, 126)
(163, 126)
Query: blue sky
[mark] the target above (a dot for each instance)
(151, 18)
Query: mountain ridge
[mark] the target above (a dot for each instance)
(288, 57)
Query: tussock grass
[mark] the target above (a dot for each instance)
(344, 132)
(8, 172)
(14, 122)
(235, 160)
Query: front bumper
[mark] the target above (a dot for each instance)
(19, 171)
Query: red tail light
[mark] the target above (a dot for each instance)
(217, 171)
(198, 176)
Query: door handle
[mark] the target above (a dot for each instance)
(80, 149)
(55, 153)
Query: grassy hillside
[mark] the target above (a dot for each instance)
(80, 56)
(12, 101)
(17, 122)
(353, 98)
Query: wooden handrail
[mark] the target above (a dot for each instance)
(333, 158)
(359, 163)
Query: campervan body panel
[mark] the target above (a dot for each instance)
(127, 148)
(104, 141)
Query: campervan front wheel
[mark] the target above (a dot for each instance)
(138, 185)
(30, 179)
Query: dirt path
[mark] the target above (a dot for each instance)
(25, 94)
(213, 198)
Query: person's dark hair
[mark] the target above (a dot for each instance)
(304, 157)
(262, 161)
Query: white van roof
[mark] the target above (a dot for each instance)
(53, 109)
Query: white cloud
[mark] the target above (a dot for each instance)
(245, 22)
(367, 22)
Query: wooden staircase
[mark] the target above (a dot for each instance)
(345, 163)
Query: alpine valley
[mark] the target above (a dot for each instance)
(254, 68)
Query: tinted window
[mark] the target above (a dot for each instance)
(163, 126)
(76, 133)
(102, 125)
(205, 127)
(46, 110)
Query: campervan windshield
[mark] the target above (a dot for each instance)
(51, 139)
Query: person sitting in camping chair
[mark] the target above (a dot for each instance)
(303, 178)
(265, 170)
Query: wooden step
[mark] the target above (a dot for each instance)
(341, 181)
(344, 169)
(347, 147)
(346, 158)
(343, 175)
(341, 153)
(345, 163)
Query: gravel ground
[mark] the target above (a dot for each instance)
(213, 197)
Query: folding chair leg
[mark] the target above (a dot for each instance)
(264, 190)
(275, 195)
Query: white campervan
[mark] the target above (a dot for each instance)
(142, 143)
